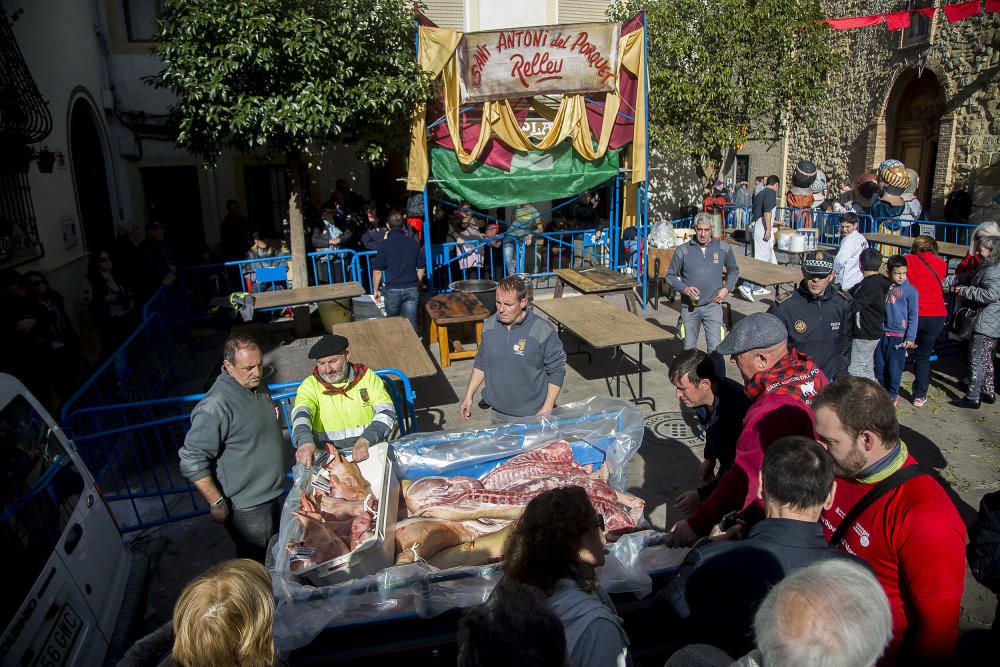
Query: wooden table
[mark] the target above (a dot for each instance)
(602, 325)
(600, 281)
(766, 274)
(387, 342)
(283, 298)
(454, 308)
(947, 249)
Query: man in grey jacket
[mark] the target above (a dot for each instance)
(234, 452)
(521, 359)
(696, 272)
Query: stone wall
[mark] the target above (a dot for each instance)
(848, 135)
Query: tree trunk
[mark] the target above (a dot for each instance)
(300, 272)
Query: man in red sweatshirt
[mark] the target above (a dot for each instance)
(912, 536)
(781, 383)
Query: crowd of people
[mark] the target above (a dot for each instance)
(813, 522)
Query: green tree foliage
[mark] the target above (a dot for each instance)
(285, 75)
(723, 70)
(281, 75)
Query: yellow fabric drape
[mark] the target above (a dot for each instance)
(436, 47)
(438, 56)
(630, 199)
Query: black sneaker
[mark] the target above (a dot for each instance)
(965, 402)
(989, 398)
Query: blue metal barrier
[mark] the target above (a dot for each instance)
(132, 450)
(948, 232)
(736, 217)
(333, 266)
(142, 365)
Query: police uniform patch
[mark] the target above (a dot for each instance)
(784, 296)
(364, 395)
(800, 326)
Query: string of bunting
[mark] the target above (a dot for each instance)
(900, 20)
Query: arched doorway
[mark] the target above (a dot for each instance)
(913, 119)
(86, 155)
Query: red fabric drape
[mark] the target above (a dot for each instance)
(929, 11)
(854, 22)
(897, 21)
(961, 10)
(993, 5)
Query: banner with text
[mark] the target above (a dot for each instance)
(547, 60)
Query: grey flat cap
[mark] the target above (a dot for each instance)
(753, 332)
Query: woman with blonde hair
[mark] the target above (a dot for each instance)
(224, 617)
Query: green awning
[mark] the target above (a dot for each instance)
(535, 176)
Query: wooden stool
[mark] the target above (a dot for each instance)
(454, 308)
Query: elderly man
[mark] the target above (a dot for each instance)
(781, 384)
(234, 453)
(696, 272)
(521, 359)
(908, 529)
(719, 405)
(341, 403)
(830, 613)
(819, 317)
(796, 485)
(852, 244)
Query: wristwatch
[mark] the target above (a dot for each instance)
(218, 503)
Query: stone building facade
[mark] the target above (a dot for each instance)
(928, 95)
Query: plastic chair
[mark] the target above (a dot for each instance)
(267, 276)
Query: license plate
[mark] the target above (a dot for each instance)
(59, 645)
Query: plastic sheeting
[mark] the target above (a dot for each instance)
(598, 429)
(609, 428)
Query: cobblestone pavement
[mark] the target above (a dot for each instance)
(962, 447)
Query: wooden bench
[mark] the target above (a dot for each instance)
(445, 310)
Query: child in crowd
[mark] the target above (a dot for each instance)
(869, 313)
(900, 328)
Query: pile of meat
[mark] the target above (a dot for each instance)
(464, 521)
(337, 513)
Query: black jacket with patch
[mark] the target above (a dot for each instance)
(819, 326)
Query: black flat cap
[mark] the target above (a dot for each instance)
(327, 346)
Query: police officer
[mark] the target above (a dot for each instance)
(818, 316)
(342, 403)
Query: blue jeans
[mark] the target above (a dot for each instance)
(402, 301)
(510, 244)
(889, 363)
(928, 329)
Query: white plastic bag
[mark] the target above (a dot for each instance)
(662, 235)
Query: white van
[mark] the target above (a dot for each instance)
(67, 565)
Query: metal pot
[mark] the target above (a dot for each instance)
(484, 290)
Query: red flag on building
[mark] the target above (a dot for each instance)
(854, 22)
(993, 5)
(898, 21)
(961, 10)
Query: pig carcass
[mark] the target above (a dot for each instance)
(336, 512)
(451, 511)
